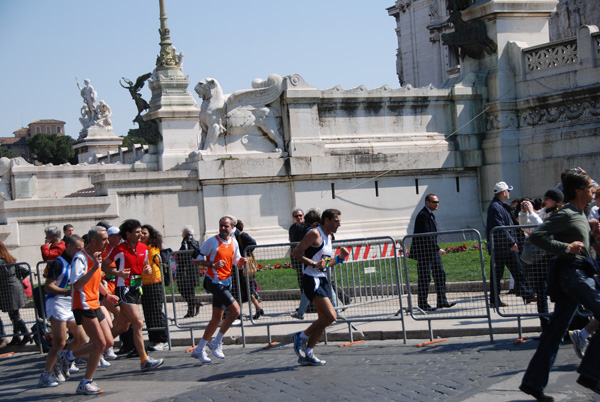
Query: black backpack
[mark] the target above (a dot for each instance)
(165, 265)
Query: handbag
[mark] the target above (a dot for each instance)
(531, 254)
(27, 288)
(251, 265)
(21, 272)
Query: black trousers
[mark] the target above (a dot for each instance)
(156, 321)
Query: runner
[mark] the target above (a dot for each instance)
(314, 252)
(131, 259)
(221, 253)
(86, 284)
(58, 308)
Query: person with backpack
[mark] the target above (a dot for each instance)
(187, 273)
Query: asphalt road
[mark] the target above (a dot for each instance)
(457, 369)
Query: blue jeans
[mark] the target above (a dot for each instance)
(577, 288)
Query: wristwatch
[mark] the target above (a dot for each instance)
(314, 265)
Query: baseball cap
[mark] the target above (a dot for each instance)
(112, 230)
(502, 186)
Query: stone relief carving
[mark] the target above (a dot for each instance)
(470, 37)
(535, 116)
(241, 112)
(497, 121)
(92, 115)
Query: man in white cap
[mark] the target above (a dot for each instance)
(506, 250)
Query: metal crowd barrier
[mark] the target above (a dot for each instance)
(16, 321)
(366, 288)
(529, 298)
(462, 275)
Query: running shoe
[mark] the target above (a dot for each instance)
(110, 354)
(217, 349)
(64, 363)
(158, 347)
(196, 352)
(311, 360)
(296, 315)
(47, 380)
(203, 356)
(88, 388)
(578, 342)
(73, 368)
(57, 373)
(299, 344)
(151, 363)
(103, 363)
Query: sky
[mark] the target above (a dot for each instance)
(47, 45)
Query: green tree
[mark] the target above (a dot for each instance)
(131, 139)
(52, 148)
(5, 152)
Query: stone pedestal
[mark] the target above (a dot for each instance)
(506, 21)
(176, 111)
(96, 140)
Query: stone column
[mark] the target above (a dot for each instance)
(172, 105)
(506, 21)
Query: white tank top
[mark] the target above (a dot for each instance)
(317, 253)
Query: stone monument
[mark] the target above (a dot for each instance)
(246, 123)
(97, 135)
(172, 105)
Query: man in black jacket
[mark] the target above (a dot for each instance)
(429, 256)
(187, 273)
(506, 250)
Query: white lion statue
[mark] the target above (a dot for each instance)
(241, 112)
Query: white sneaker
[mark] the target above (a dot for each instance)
(64, 363)
(110, 354)
(73, 368)
(158, 347)
(88, 388)
(103, 362)
(196, 352)
(203, 356)
(47, 380)
(151, 363)
(57, 373)
(236, 323)
(217, 349)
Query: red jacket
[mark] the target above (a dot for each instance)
(52, 253)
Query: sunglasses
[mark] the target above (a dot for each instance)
(434, 202)
(298, 216)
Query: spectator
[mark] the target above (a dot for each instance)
(506, 250)
(296, 233)
(187, 273)
(12, 296)
(153, 296)
(429, 256)
(68, 230)
(53, 246)
(245, 240)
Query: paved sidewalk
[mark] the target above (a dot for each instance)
(458, 369)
